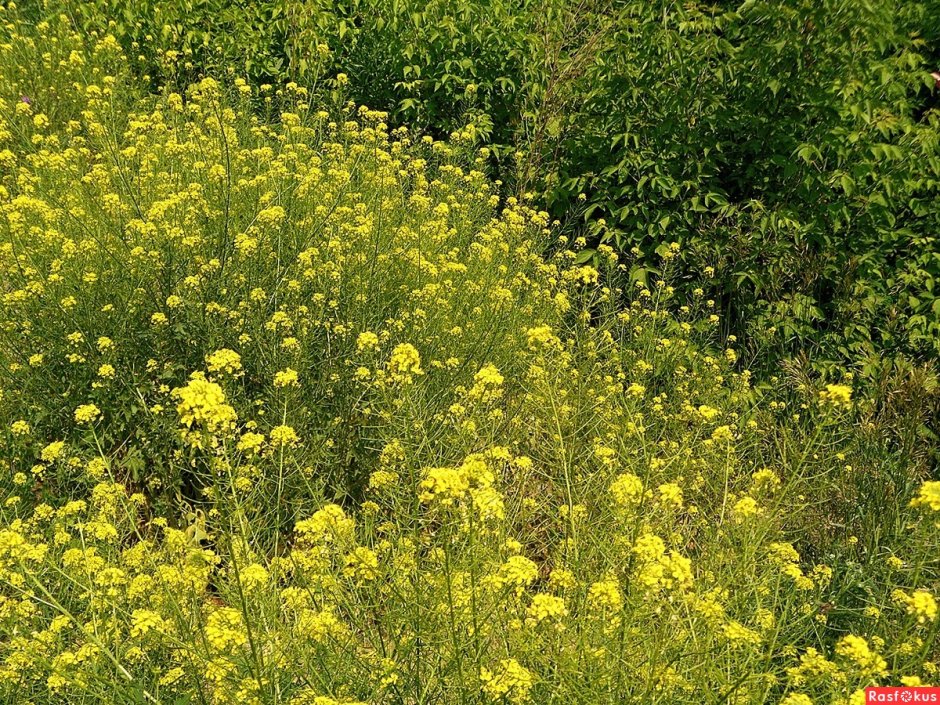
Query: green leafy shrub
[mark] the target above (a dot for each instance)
(788, 146)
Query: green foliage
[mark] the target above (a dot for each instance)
(424, 62)
(792, 147)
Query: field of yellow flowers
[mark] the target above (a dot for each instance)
(297, 409)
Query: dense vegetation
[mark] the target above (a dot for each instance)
(308, 397)
(791, 147)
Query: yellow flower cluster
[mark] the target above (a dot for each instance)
(87, 413)
(659, 568)
(857, 650)
(473, 480)
(920, 603)
(201, 404)
(507, 682)
(838, 395)
(405, 363)
(224, 361)
(928, 496)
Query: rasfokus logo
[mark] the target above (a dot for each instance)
(902, 695)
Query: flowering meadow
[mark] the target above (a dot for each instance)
(300, 408)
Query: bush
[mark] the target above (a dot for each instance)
(791, 148)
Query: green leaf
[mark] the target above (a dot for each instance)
(848, 185)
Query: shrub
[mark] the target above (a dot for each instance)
(791, 148)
